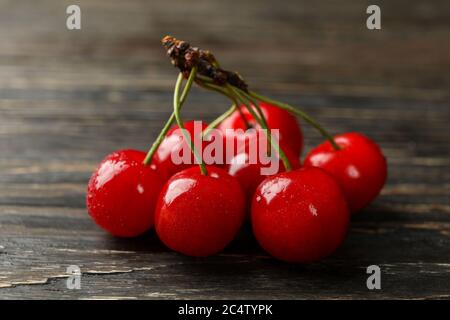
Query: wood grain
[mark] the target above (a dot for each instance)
(67, 98)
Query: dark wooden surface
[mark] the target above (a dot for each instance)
(67, 98)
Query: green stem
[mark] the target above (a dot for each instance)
(211, 86)
(244, 119)
(299, 113)
(159, 139)
(219, 119)
(259, 118)
(255, 103)
(205, 79)
(247, 103)
(168, 124)
(219, 89)
(176, 110)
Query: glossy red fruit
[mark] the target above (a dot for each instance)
(359, 167)
(250, 174)
(300, 216)
(174, 142)
(199, 215)
(122, 193)
(290, 132)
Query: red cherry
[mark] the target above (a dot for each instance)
(199, 215)
(359, 167)
(300, 216)
(290, 132)
(122, 193)
(249, 173)
(174, 142)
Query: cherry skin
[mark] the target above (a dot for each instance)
(359, 167)
(300, 216)
(249, 173)
(290, 132)
(122, 193)
(174, 142)
(198, 215)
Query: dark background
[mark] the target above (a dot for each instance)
(68, 98)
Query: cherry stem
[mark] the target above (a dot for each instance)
(176, 110)
(298, 113)
(212, 76)
(170, 121)
(271, 142)
(235, 95)
(256, 105)
(209, 84)
(244, 119)
(219, 119)
(214, 87)
(258, 117)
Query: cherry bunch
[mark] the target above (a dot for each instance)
(298, 214)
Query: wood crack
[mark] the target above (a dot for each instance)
(49, 279)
